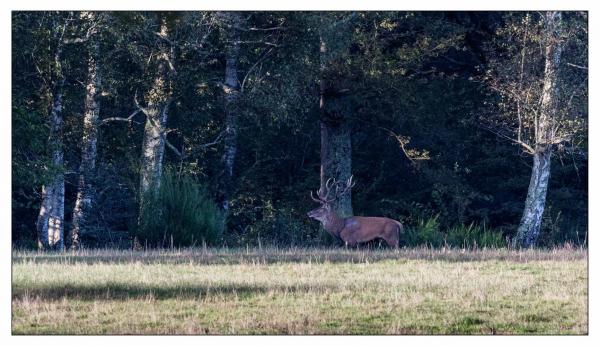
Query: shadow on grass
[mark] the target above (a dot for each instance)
(119, 291)
(295, 255)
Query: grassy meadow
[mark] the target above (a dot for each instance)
(301, 291)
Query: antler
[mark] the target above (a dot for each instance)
(340, 190)
(323, 192)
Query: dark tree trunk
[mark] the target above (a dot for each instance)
(336, 160)
(531, 222)
(336, 142)
(232, 95)
(85, 189)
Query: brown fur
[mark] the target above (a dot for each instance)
(358, 229)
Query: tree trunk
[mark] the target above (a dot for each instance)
(336, 160)
(158, 99)
(50, 223)
(153, 147)
(85, 190)
(232, 95)
(336, 143)
(531, 222)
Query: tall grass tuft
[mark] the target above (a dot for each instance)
(474, 235)
(425, 232)
(180, 213)
(428, 232)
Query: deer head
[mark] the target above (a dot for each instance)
(326, 198)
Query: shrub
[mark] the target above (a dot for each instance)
(278, 227)
(180, 213)
(425, 232)
(474, 236)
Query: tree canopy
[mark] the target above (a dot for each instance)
(437, 107)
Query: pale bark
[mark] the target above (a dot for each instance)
(85, 190)
(50, 223)
(158, 99)
(336, 142)
(153, 147)
(531, 222)
(231, 88)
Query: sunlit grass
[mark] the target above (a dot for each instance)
(301, 291)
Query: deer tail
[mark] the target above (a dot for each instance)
(400, 227)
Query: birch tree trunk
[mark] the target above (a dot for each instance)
(158, 99)
(85, 190)
(232, 95)
(153, 146)
(50, 222)
(531, 221)
(336, 143)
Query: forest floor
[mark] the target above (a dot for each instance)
(301, 291)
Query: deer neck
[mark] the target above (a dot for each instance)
(334, 224)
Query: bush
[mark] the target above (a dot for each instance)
(474, 236)
(180, 213)
(277, 227)
(426, 232)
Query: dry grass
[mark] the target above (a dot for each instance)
(301, 291)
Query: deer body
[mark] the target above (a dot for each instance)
(356, 229)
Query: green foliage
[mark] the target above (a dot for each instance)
(473, 236)
(428, 233)
(425, 232)
(281, 228)
(414, 74)
(180, 213)
(31, 168)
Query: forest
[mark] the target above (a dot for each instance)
(137, 130)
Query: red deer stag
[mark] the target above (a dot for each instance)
(355, 229)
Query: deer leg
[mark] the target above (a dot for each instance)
(350, 241)
(392, 238)
(348, 238)
(392, 242)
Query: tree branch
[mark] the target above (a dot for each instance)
(129, 118)
(261, 59)
(172, 147)
(266, 29)
(526, 147)
(261, 42)
(577, 66)
(402, 141)
(75, 40)
(137, 104)
(216, 141)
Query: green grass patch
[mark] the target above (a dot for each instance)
(301, 291)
